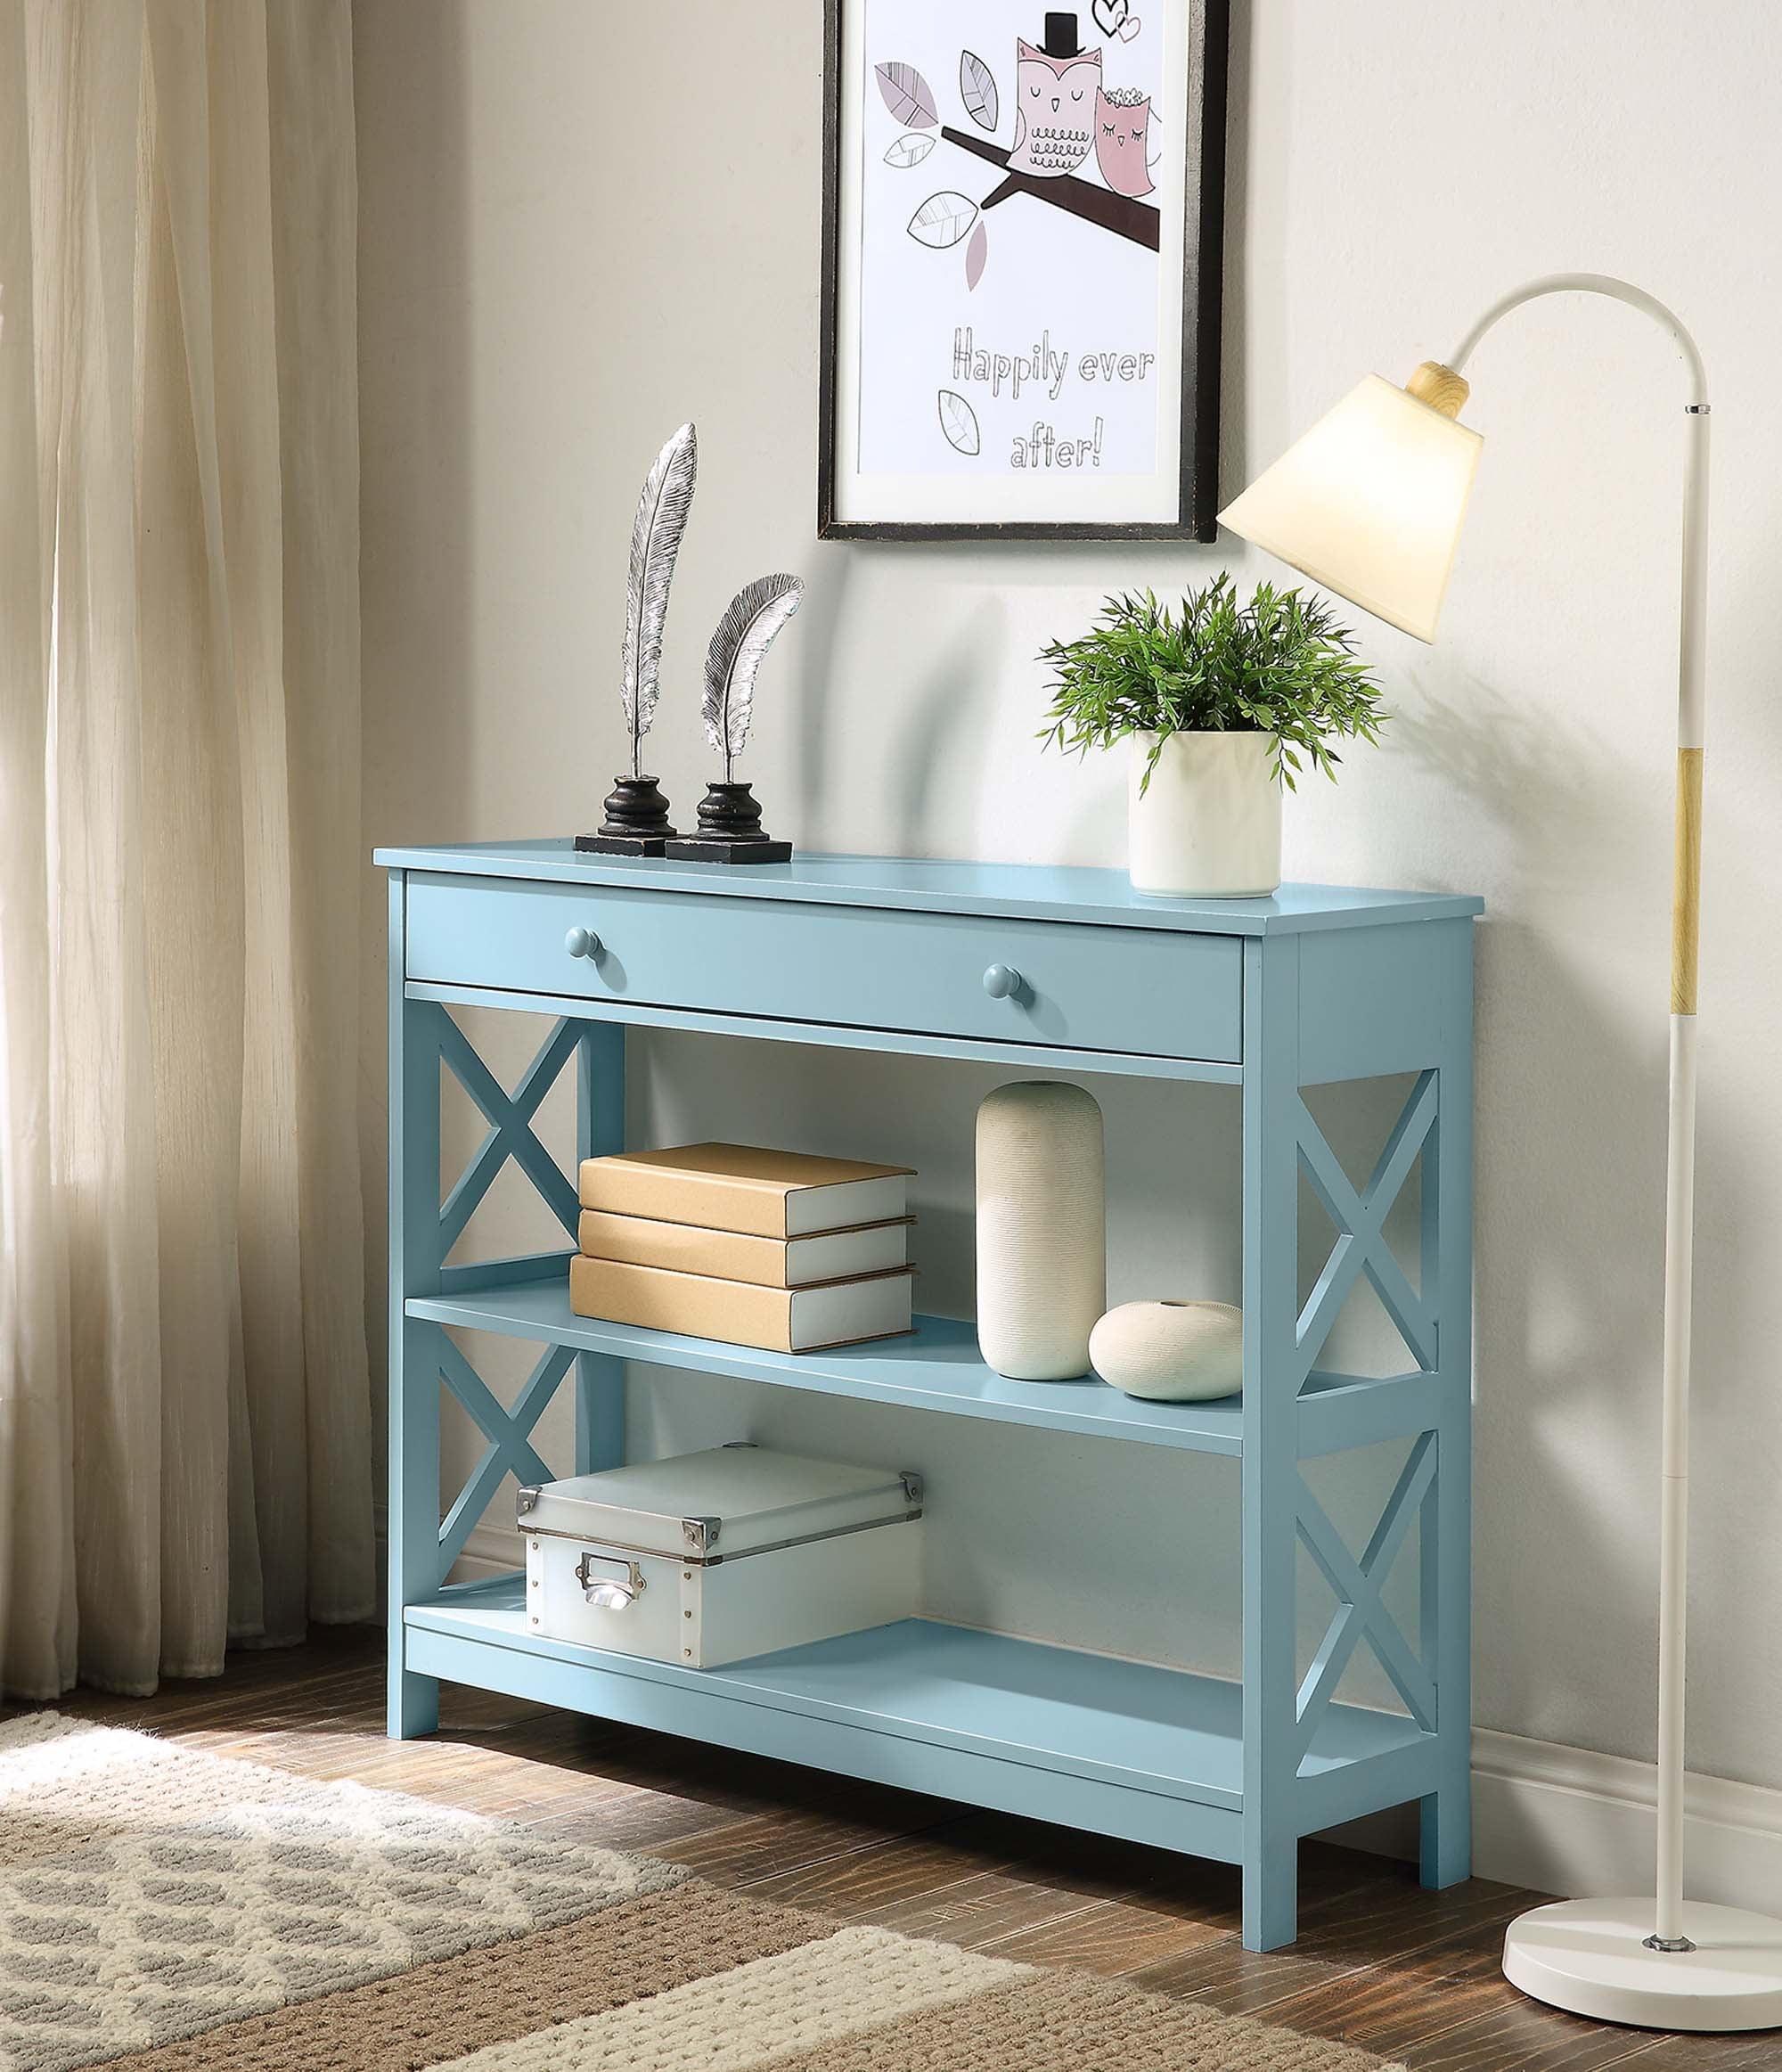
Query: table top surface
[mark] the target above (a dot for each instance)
(1031, 891)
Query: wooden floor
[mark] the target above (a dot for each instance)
(1378, 1963)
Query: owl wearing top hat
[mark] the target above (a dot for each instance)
(1055, 100)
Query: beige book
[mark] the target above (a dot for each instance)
(777, 1320)
(739, 1187)
(727, 1254)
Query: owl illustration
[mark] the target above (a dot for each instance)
(1054, 91)
(1122, 130)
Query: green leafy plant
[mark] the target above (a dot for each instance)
(1282, 665)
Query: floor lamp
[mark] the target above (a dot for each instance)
(1370, 503)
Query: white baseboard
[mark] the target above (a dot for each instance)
(1573, 1823)
(1567, 1821)
(1553, 1818)
(491, 1549)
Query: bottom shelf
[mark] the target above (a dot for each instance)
(1032, 1728)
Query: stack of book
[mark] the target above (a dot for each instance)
(778, 1249)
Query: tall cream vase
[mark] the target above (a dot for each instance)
(1042, 1229)
(1208, 826)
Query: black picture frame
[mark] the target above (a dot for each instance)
(1207, 47)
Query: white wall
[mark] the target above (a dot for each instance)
(581, 225)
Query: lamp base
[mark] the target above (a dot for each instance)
(1589, 1956)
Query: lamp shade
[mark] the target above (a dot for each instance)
(1370, 503)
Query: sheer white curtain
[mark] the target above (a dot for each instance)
(185, 1443)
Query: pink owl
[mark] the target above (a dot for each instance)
(1123, 129)
(1054, 91)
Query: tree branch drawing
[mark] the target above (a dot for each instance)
(1135, 220)
(946, 218)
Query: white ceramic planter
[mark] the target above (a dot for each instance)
(1209, 825)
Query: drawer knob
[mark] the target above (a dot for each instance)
(1002, 982)
(581, 942)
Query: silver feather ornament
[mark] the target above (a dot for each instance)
(745, 633)
(655, 541)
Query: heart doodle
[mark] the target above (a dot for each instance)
(1129, 29)
(1111, 15)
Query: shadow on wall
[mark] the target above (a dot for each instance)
(415, 427)
(1237, 292)
(1570, 1198)
(417, 415)
(933, 745)
(816, 669)
(937, 759)
(1554, 791)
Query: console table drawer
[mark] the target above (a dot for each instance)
(1158, 992)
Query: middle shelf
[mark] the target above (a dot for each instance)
(936, 1367)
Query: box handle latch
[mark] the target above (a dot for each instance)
(609, 1592)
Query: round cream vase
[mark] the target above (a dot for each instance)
(1208, 825)
(1171, 1352)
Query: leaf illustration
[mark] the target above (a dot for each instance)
(745, 633)
(942, 219)
(655, 541)
(910, 149)
(977, 90)
(976, 253)
(907, 95)
(958, 421)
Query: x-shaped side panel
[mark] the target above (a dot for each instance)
(507, 1432)
(1360, 1245)
(1361, 1615)
(511, 1132)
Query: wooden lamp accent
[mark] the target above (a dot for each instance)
(1686, 893)
(1369, 503)
(1441, 388)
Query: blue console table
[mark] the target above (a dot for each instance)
(1030, 968)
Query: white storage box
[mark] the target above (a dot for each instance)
(713, 1557)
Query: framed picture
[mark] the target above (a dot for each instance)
(1023, 214)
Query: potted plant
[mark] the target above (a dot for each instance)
(1223, 702)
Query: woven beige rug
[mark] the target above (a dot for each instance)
(165, 1911)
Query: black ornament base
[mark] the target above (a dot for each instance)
(713, 849)
(730, 831)
(636, 824)
(620, 845)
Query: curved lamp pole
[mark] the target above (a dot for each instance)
(1369, 503)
